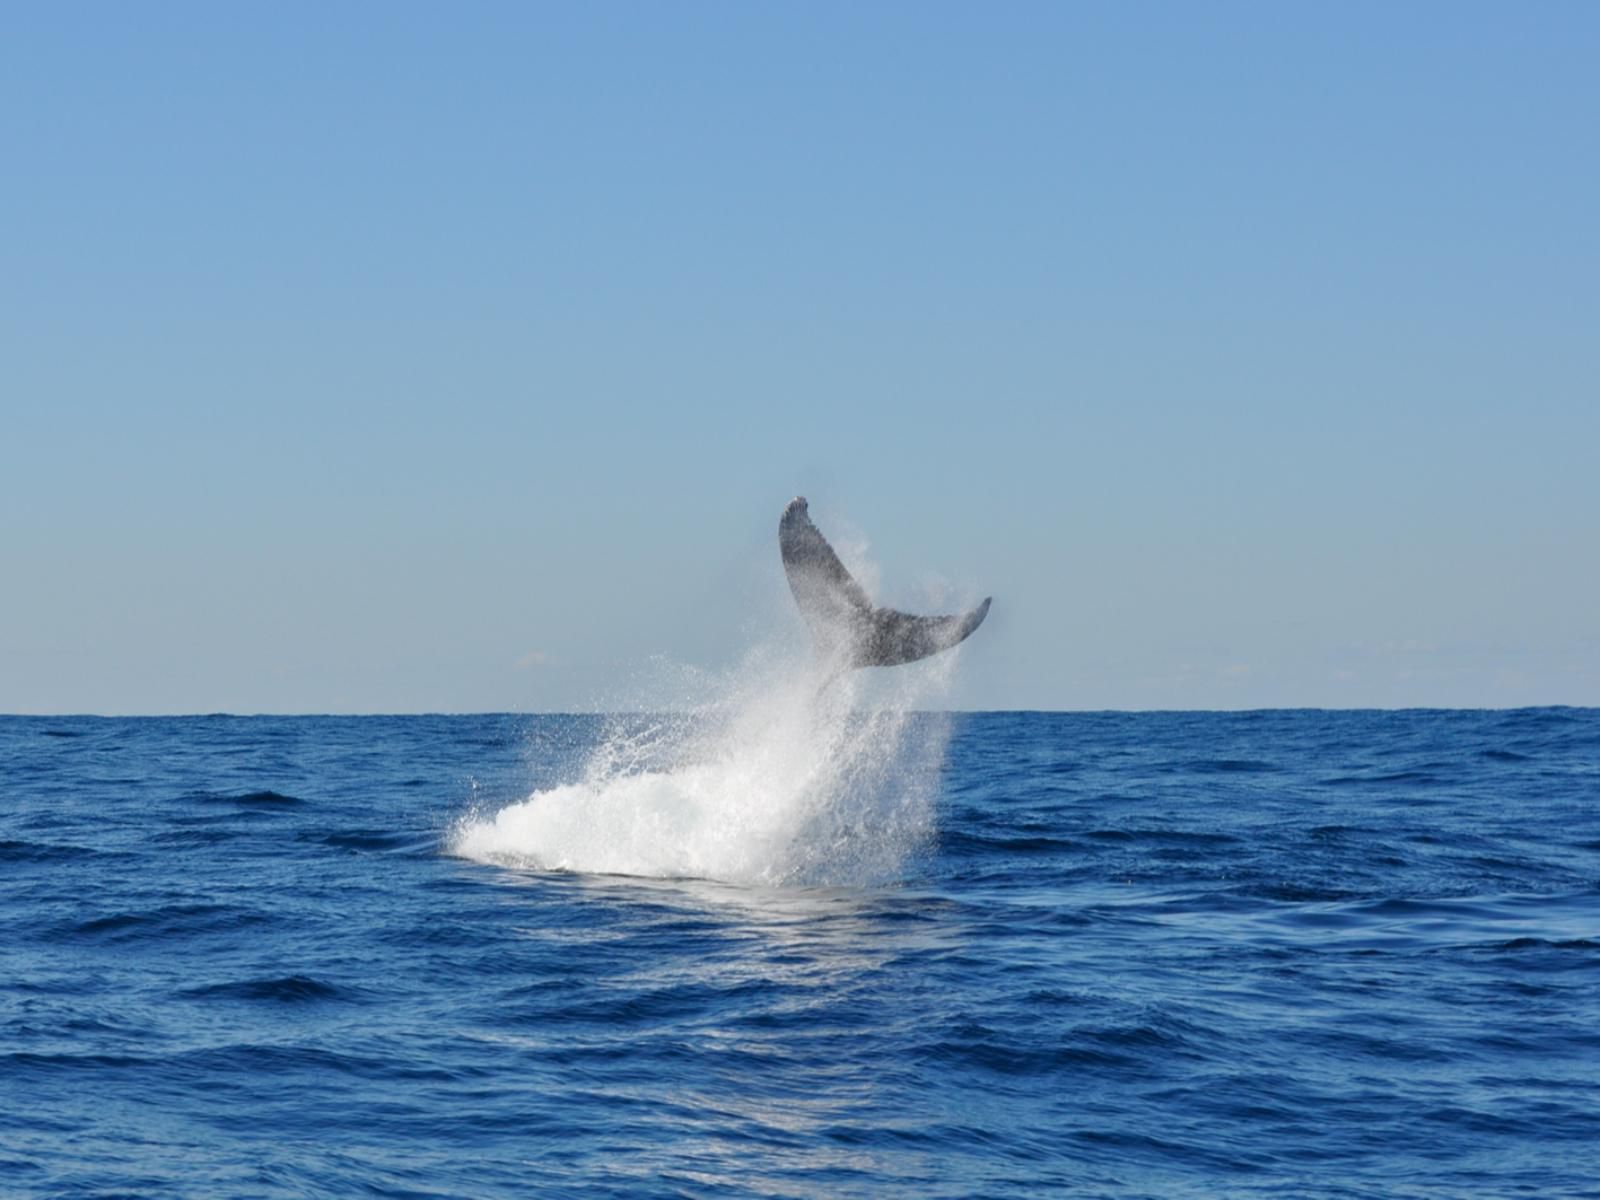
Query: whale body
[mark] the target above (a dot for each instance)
(847, 627)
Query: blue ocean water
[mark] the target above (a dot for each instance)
(1299, 953)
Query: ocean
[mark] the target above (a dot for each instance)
(794, 946)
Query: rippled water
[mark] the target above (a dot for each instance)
(1280, 953)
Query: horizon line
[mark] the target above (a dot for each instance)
(644, 712)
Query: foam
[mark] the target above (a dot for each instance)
(790, 773)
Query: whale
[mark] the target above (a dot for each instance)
(846, 627)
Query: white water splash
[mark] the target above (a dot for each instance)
(790, 775)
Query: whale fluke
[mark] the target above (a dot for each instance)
(846, 625)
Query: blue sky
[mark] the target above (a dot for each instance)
(388, 357)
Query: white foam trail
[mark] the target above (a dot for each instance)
(787, 777)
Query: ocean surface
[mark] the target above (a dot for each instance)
(802, 948)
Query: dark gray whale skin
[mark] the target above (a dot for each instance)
(847, 626)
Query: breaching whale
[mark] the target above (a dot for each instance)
(848, 628)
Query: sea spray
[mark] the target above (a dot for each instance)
(790, 773)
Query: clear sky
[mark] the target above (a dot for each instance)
(401, 357)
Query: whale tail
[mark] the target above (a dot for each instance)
(847, 626)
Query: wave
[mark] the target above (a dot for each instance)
(47, 852)
(286, 989)
(168, 921)
(263, 799)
